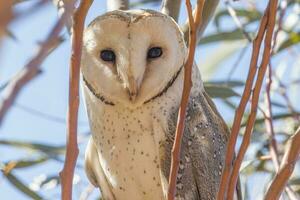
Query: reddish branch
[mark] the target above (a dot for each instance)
(269, 121)
(6, 15)
(271, 20)
(287, 166)
(32, 68)
(194, 23)
(72, 147)
(241, 108)
(269, 114)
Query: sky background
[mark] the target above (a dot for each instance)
(48, 93)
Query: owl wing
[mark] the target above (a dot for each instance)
(203, 149)
(95, 172)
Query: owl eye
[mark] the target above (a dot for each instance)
(108, 55)
(154, 52)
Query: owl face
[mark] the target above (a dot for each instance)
(131, 57)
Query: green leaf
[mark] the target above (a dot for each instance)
(226, 83)
(20, 1)
(48, 149)
(11, 35)
(28, 163)
(140, 3)
(274, 117)
(295, 181)
(250, 15)
(21, 186)
(294, 38)
(49, 179)
(216, 91)
(236, 34)
(224, 51)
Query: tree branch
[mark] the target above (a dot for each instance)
(171, 8)
(117, 5)
(61, 6)
(6, 15)
(72, 146)
(187, 85)
(271, 20)
(208, 11)
(287, 167)
(32, 68)
(241, 108)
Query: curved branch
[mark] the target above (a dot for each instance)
(32, 68)
(6, 14)
(187, 85)
(72, 151)
(171, 8)
(271, 20)
(227, 170)
(208, 11)
(117, 5)
(61, 6)
(287, 167)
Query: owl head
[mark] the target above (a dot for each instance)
(129, 57)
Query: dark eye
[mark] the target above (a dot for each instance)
(154, 52)
(108, 55)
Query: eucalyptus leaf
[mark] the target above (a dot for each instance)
(48, 149)
(250, 15)
(274, 117)
(216, 91)
(28, 163)
(142, 2)
(22, 186)
(236, 34)
(223, 52)
(293, 39)
(226, 83)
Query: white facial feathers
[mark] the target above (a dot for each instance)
(132, 78)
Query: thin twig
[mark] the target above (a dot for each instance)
(6, 14)
(117, 5)
(236, 20)
(72, 147)
(61, 6)
(171, 8)
(283, 92)
(44, 115)
(187, 85)
(271, 20)
(32, 68)
(208, 11)
(269, 113)
(287, 167)
(241, 108)
(269, 122)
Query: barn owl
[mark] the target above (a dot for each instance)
(132, 78)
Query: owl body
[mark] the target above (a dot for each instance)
(132, 72)
(128, 143)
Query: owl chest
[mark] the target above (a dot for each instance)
(127, 143)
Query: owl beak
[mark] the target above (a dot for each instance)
(132, 89)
